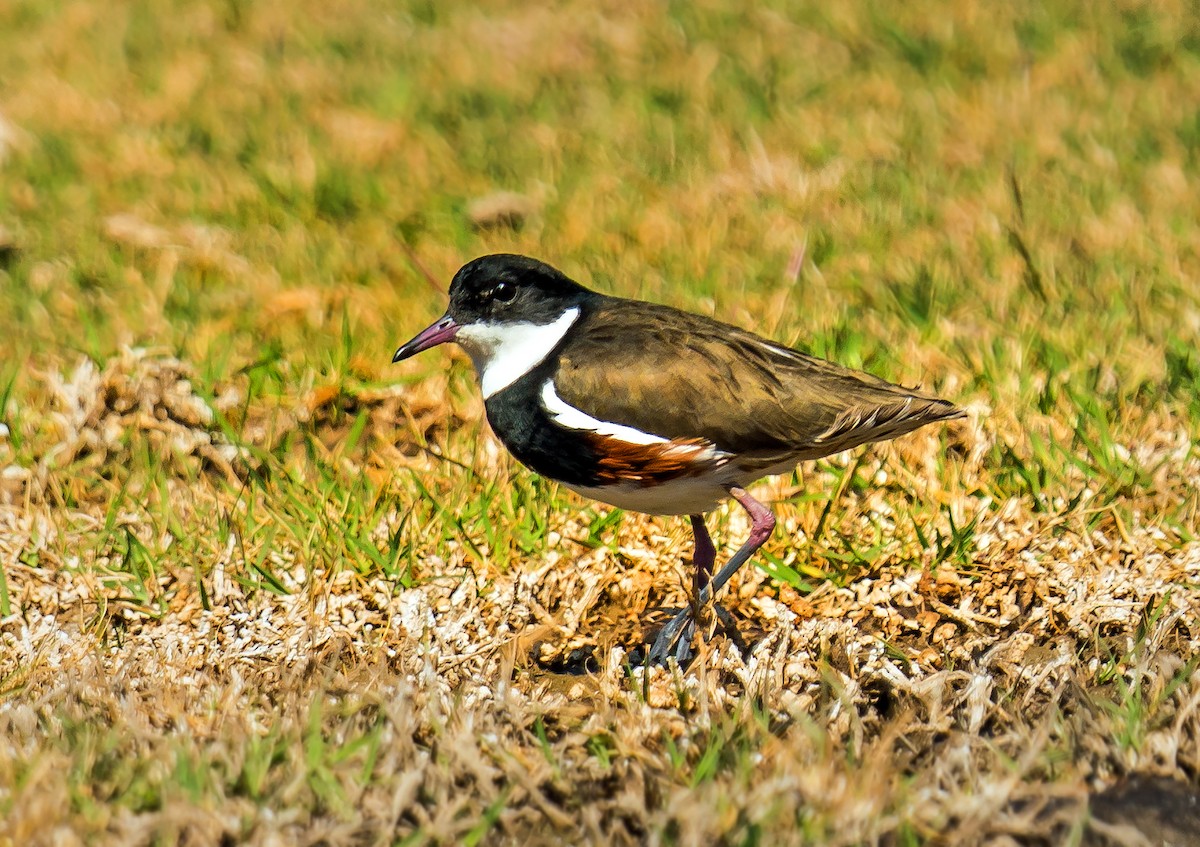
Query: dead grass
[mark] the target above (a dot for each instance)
(153, 696)
(261, 587)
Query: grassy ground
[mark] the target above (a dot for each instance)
(260, 586)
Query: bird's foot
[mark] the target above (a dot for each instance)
(675, 638)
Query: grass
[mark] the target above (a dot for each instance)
(258, 584)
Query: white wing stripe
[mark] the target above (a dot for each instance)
(566, 415)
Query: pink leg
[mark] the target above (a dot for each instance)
(704, 556)
(675, 638)
(762, 524)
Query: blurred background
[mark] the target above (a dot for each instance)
(1012, 185)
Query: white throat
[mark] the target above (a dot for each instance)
(503, 353)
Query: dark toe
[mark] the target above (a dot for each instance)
(672, 639)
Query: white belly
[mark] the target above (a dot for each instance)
(688, 495)
(683, 496)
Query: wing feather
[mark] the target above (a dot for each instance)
(690, 377)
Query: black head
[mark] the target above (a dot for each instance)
(507, 288)
(503, 288)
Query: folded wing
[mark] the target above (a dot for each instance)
(691, 377)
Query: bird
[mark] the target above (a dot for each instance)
(652, 409)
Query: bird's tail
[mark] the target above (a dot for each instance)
(866, 423)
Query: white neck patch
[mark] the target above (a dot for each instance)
(503, 353)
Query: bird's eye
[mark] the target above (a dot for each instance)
(504, 292)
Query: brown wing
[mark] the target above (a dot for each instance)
(684, 376)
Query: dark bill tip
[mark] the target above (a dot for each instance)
(443, 330)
